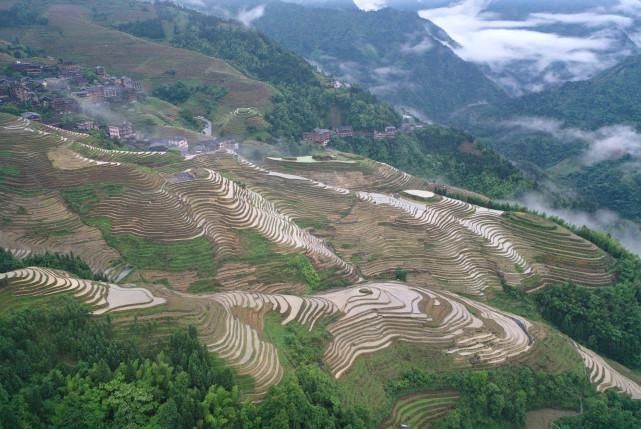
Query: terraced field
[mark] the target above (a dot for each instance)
(420, 409)
(370, 317)
(604, 376)
(441, 240)
(236, 233)
(102, 297)
(356, 234)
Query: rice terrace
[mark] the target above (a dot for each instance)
(128, 210)
(250, 278)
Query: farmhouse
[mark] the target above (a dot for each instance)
(64, 105)
(391, 131)
(320, 136)
(86, 125)
(344, 132)
(70, 70)
(121, 131)
(27, 68)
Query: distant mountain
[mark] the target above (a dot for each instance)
(582, 136)
(397, 55)
(612, 97)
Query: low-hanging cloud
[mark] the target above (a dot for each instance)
(485, 38)
(602, 220)
(418, 48)
(606, 143)
(248, 16)
(370, 5)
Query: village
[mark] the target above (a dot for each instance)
(67, 95)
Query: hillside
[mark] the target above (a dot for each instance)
(582, 137)
(265, 245)
(247, 279)
(607, 99)
(270, 94)
(72, 33)
(397, 55)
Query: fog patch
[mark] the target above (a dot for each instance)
(628, 234)
(248, 16)
(102, 112)
(370, 5)
(418, 48)
(540, 41)
(607, 143)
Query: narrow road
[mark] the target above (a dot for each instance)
(207, 130)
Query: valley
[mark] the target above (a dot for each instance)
(201, 229)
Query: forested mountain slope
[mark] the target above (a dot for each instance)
(609, 98)
(397, 55)
(582, 136)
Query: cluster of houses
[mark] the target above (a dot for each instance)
(63, 86)
(182, 144)
(322, 136)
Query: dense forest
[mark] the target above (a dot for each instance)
(607, 320)
(21, 13)
(606, 99)
(62, 368)
(444, 154)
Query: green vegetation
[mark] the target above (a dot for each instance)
(150, 28)
(609, 411)
(202, 286)
(418, 410)
(179, 92)
(297, 344)
(80, 199)
(496, 398)
(59, 261)
(285, 268)
(611, 184)
(302, 103)
(394, 51)
(62, 368)
(190, 255)
(606, 320)
(440, 152)
(21, 13)
(7, 170)
(606, 99)
(302, 269)
(400, 275)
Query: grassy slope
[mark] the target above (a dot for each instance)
(72, 35)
